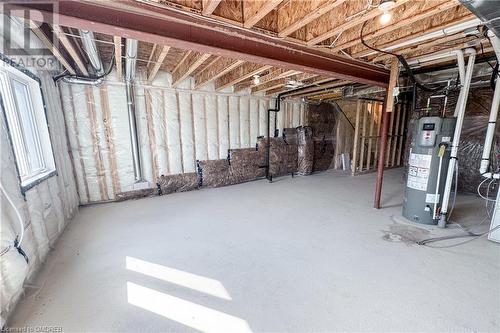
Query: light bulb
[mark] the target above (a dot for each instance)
(256, 80)
(385, 18)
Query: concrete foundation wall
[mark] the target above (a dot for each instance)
(46, 208)
(176, 127)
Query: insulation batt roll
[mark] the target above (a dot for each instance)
(305, 150)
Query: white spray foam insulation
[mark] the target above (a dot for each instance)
(47, 207)
(187, 125)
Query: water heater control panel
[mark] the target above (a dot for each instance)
(428, 129)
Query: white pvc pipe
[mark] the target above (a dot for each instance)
(436, 34)
(461, 65)
(490, 133)
(460, 112)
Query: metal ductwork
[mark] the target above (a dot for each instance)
(81, 80)
(487, 11)
(90, 49)
(130, 64)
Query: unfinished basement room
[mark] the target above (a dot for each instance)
(250, 166)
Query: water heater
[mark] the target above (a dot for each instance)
(427, 167)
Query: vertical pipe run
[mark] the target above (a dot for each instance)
(490, 133)
(389, 106)
(90, 48)
(131, 57)
(460, 112)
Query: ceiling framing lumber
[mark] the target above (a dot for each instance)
(275, 74)
(408, 17)
(254, 11)
(314, 83)
(239, 74)
(187, 66)
(157, 64)
(68, 45)
(350, 24)
(318, 87)
(408, 35)
(296, 14)
(422, 46)
(166, 26)
(280, 82)
(118, 56)
(48, 44)
(216, 70)
(209, 6)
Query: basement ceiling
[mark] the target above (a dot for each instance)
(332, 27)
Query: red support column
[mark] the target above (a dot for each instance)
(384, 128)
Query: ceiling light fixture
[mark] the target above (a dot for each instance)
(385, 18)
(256, 79)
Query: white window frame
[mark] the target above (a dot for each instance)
(35, 161)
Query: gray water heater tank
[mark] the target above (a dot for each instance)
(432, 137)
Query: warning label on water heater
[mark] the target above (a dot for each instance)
(418, 173)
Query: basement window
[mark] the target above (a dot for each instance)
(24, 111)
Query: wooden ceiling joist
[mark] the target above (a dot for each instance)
(216, 70)
(209, 6)
(187, 66)
(406, 34)
(296, 14)
(423, 46)
(254, 11)
(118, 56)
(280, 82)
(402, 19)
(68, 45)
(274, 74)
(158, 63)
(319, 87)
(314, 82)
(239, 74)
(339, 27)
(47, 41)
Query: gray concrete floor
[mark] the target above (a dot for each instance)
(302, 254)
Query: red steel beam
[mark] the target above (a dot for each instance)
(168, 26)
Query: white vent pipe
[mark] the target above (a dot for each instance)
(435, 34)
(130, 64)
(90, 48)
(460, 113)
(490, 133)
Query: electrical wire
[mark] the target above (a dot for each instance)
(425, 242)
(61, 76)
(479, 190)
(403, 62)
(19, 218)
(468, 232)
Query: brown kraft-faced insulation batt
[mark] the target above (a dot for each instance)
(322, 119)
(305, 146)
(282, 156)
(135, 194)
(242, 165)
(178, 183)
(214, 173)
(246, 164)
(323, 154)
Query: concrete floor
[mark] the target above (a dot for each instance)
(302, 254)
